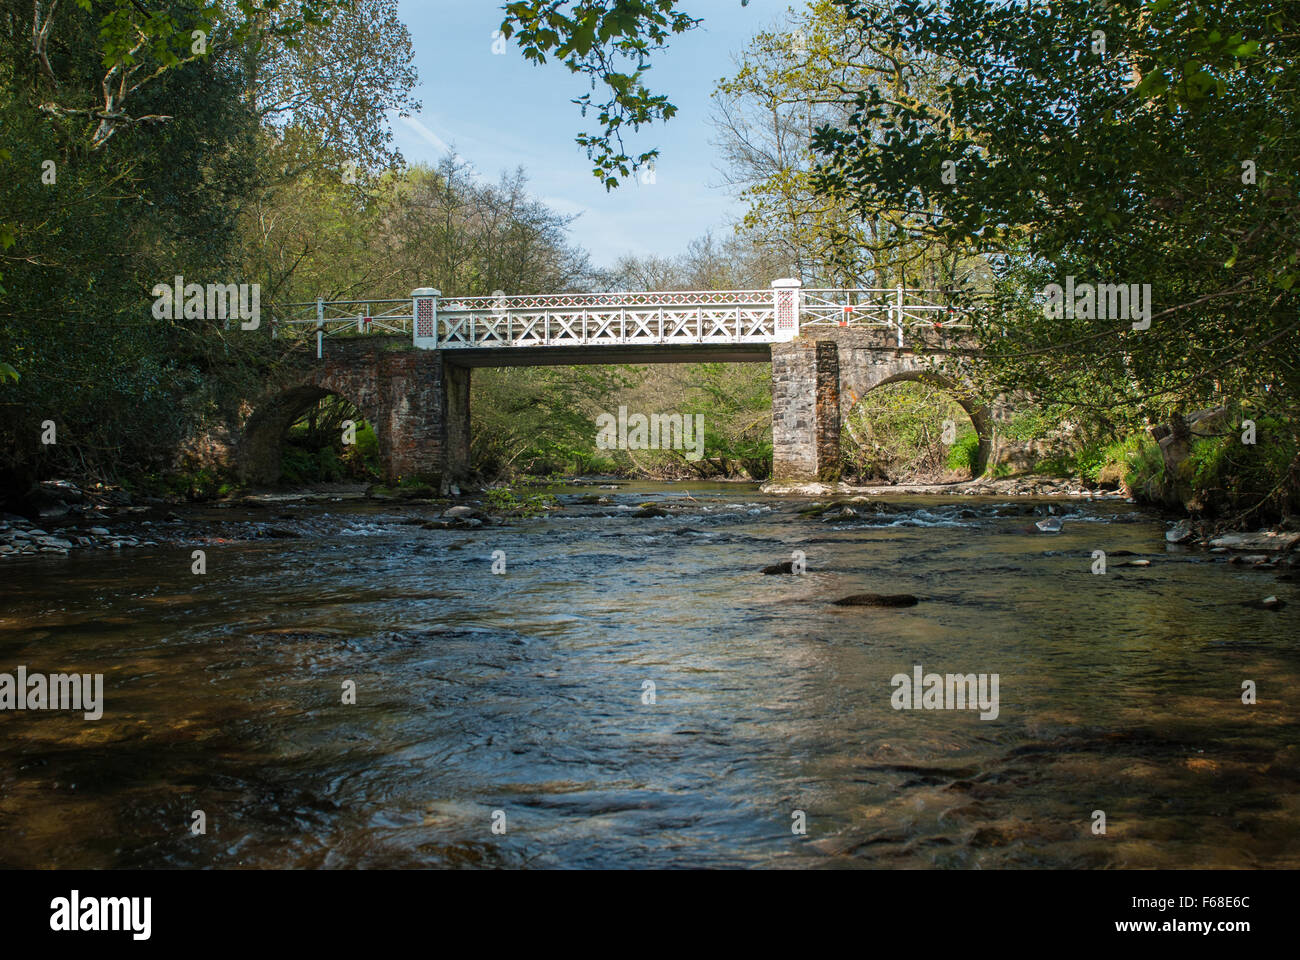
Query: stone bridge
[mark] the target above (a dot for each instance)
(413, 384)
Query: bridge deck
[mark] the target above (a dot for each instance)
(633, 353)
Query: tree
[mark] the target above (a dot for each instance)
(324, 96)
(132, 148)
(788, 83)
(1146, 142)
(610, 42)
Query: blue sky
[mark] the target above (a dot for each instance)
(500, 111)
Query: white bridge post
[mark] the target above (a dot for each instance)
(900, 317)
(786, 306)
(424, 317)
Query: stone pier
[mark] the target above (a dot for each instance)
(805, 411)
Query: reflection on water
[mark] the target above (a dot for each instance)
(524, 693)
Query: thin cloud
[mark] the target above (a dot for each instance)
(426, 134)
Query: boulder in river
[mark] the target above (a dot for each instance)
(1268, 603)
(878, 600)
(1049, 525)
(648, 511)
(465, 515)
(786, 566)
(1271, 540)
(1252, 559)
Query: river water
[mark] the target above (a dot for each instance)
(521, 700)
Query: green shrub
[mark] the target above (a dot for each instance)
(504, 501)
(1145, 476)
(1225, 474)
(1093, 459)
(322, 457)
(964, 453)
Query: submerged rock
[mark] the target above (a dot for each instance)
(844, 513)
(878, 600)
(837, 509)
(646, 512)
(786, 566)
(1268, 603)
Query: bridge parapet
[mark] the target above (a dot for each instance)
(907, 316)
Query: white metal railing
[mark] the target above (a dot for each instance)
(896, 308)
(331, 318)
(595, 319)
(714, 316)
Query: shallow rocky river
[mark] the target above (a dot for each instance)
(523, 699)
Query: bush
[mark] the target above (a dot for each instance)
(320, 456)
(1225, 474)
(964, 453)
(504, 501)
(1110, 458)
(1145, 476)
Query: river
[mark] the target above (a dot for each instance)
(519, 700)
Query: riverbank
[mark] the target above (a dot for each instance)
(1030, 486)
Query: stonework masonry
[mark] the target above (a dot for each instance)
(418, 400)
(819, 376)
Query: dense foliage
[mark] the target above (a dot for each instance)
(991, 148)
(1143, 143)
(140, 143)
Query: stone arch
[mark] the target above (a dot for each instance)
(417, 404)
(262, 442)
(979, 413)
